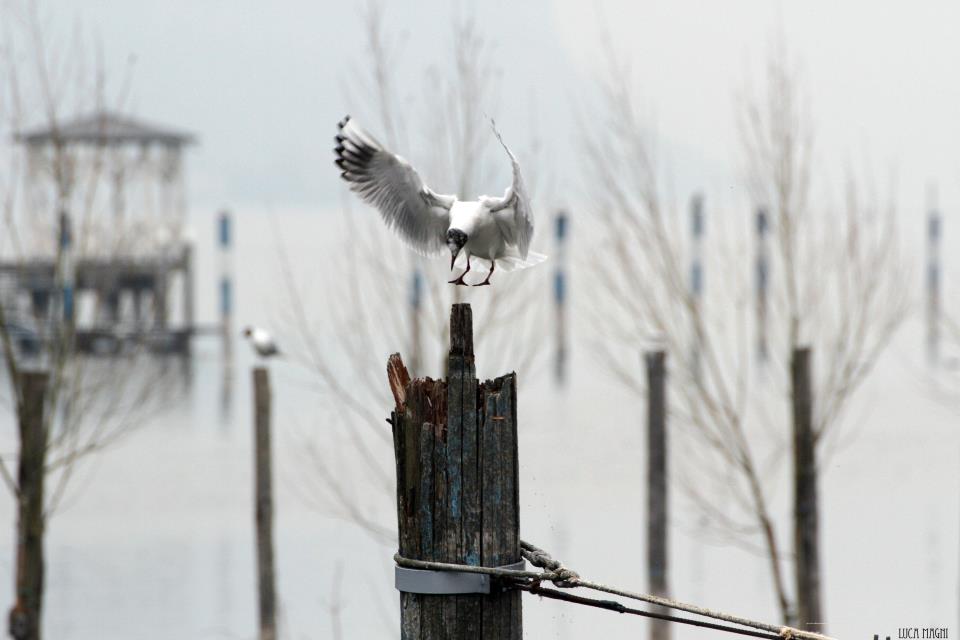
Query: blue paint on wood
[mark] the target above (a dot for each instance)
(454, 468)
(426, 513)
(473, 558)
(561, 226)
(933, 226)
(762, 275)
(226, 296)
(456, 488)
(426, 531)
(416, 290)
(762, 224)
(68, 303)
(224, 234)
(696, 278)
(697, 217)
(66, 236)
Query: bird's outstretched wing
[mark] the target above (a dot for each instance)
(385, 180)
(513, 212)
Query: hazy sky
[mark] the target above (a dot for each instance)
(880, 76)
(261, 83)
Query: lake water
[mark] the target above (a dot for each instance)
(155, 538)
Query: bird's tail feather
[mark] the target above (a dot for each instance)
(515, 262)
(509, 262)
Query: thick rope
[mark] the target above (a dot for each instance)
(541, 558)
(562, 577)
(611, 605)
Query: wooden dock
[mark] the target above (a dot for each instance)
(131, 305)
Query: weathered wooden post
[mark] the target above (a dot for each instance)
(416, 301)
(560, 298)
(263, 494)
(25, 616)
(189, 314)
(805, 508)
(225, 288)
(934, 224)
(657, 484)
(697, 229)
(224, 244)
(762, 283)
(455, 443)
(160, 297)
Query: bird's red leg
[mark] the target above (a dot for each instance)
(459, 281)
(493, 265)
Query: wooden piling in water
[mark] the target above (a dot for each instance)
(697, 232)
(560, 297)
(225, 284)
(657, 485)
(762, 283)
(416, 300)
(263, 495)
(933, 280)
(189, 312)
(455, 443)
(805, 507)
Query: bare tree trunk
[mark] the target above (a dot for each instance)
(24, 622)
(805, 508)
(264, 506)
(773, 548)
(657, 485)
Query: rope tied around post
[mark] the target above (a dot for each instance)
(562, 577)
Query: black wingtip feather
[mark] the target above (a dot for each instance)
(355, 158)
(362, 154)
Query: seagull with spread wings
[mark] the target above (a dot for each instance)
(497, 230)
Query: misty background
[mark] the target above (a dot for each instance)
(155, 536)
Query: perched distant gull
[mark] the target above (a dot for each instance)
(261, 341)
(498, 230)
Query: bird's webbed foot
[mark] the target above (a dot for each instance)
(486, 282)
(459, 281)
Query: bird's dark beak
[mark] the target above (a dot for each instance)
(454, 252)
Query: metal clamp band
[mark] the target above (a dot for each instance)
(446, 582)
